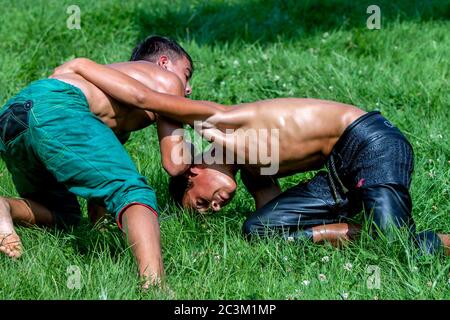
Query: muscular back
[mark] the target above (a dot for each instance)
(122, 118)
(308, 129)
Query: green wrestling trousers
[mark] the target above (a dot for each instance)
(56, 149)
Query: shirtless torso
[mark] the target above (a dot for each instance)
(120, 117)
(308, 130)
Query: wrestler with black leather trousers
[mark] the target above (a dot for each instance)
(368, 162)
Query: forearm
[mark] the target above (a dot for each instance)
(128, 90)
(143, 235)
(175, 151)
(262, 188)
(262, 197)
(215, 105)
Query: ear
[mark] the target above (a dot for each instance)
(194, 170)
(163, 61)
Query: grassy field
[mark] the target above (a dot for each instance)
(244, 51)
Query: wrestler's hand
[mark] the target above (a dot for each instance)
(146, 282)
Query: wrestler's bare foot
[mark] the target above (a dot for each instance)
(10, 243)
(445, 238)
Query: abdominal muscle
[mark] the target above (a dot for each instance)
(120, 118)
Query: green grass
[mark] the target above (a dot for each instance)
(244, 51)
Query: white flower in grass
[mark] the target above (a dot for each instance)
(294, 295)
(322, 277)
(276, 78)
(348, 266)
(285, 258)
(103, 294)
(171, 294)
(414, 269)
(344, 295)
(306, 282)
(217, 257)
(326, 259)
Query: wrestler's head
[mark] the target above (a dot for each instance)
(169, 55)
(204, 187)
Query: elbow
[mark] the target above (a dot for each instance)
(174, 169)
(82, 64)
(83, 61)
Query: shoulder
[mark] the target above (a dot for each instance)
(167, 81)
(170, 83)
(151, 75)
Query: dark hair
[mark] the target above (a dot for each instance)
(177, 188)
(154, 46)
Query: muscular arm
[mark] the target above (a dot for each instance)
(130, 91)
(173, 147)
(262, 188)
(171, 143)
(127, 83)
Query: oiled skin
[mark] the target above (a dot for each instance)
(120, 117)
(142, 227)
(308, 129)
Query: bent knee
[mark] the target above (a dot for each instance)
(389, 205)
(134, 191)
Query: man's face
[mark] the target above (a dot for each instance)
(182, 68)
(210, 189)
